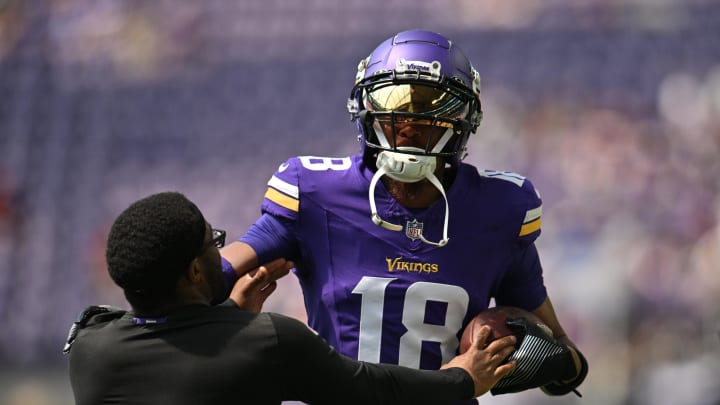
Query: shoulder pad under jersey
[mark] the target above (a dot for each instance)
(282, 197)
(528, 199)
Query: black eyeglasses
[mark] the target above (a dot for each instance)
(218, 239)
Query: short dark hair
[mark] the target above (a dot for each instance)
(151, 244)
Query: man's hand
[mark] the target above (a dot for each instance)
(252, 289)
(483, 363)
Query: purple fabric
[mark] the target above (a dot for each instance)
(228, 273)
(378, 295)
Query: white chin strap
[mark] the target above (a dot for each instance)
(407, 169)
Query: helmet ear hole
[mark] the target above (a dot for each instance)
(462, 127)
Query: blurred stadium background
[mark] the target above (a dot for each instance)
(611, 107)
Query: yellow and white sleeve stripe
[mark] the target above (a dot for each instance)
(532, 222)
(283, 194)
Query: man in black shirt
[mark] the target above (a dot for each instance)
(184, 342)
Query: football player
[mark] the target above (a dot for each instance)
(398, 247)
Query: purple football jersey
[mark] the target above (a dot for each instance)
(385, 296)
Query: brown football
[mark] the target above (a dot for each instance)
(495, 318)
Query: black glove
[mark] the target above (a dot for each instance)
(559, 388)
(541, 360)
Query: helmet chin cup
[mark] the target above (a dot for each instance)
(408, 169)
(405, 167)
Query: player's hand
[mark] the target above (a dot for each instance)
(485, 363)
(567, 385)
(573, 352)
(252, 289)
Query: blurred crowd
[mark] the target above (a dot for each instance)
(611, 108)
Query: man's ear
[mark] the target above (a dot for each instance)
(194, 272)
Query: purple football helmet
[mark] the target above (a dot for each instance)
(421, 78)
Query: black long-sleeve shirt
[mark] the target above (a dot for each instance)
(223, 355)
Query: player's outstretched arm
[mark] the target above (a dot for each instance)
(485, 363)
(241, 256)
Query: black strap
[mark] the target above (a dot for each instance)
(84, 317)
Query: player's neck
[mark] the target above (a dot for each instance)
(421, 194)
